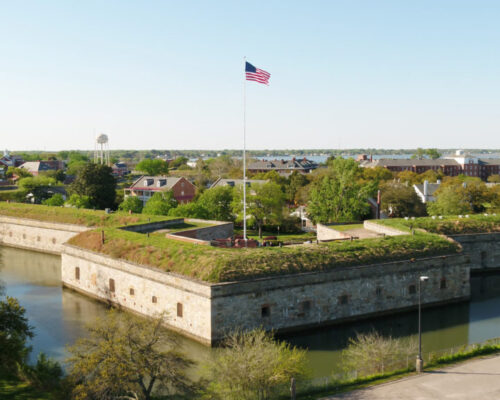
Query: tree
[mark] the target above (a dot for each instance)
(55, 200)
(399, 200)
(131, 203)
(58, 175)
(14, 334)
(127, 357)
(160, 203)
(264, 203)
(178, 162)
(189, 210)
(218, 203)
(252, 366)
(433, 154)
(37, 187)
(378, 174)
(19, 172)
(296, 181)
(77, 201)
(98, 183)
(371, 353)
(75, 167)
(419, 154)
(338, 197)
(450, 200)
(153, 167)
(409, 177)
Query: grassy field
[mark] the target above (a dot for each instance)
(448, 225)
(90, 218)
(301, 236)
(343, 228)
(223, 265)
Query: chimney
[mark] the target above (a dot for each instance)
(426, 188)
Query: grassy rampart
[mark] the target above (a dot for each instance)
(67, 215)
(448, 225)
(224, 265)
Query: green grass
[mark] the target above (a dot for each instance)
(14, 389)
(343, 228)
(301, 236)
(224, 265)
(67, 215)
(448, 225)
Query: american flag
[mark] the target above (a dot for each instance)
(256, 75)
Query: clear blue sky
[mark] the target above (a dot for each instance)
(169, 74)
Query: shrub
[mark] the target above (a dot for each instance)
(55, 200)
(131, 203)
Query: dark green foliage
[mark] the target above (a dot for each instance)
(296, 181)
(189, 210)
(98, 183)
(218, 203)
(153, 167)
(46, 374)
(400, 200)
(55, 200)
(131, 203)
(338, 197)
(14, 334)
(160, 203)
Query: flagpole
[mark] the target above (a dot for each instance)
(244, 153)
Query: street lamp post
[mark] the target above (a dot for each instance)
(420, 362)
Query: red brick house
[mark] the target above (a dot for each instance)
(147, 186)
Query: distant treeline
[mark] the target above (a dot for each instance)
(137, 155)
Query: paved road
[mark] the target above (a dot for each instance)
(474, 380)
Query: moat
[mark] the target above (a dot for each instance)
(59, 315)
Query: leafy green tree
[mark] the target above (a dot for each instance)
(295, 182)
(265, 203)
(131, 203)
(409, 177)
(98, 183)
(400, 200)
(14, 334)
(125, 357)
(378, 174)
(45, 375)
(178, 162)
(153, 167)
(75, 167)
(433, 154)
(189, 210)
(252, 366)
(338, 197)
(419, 154)
(218, 203)
(450, 200)
(77, 201)
(160, 203)
(20, 172)
(37, 186)
(55, 200)
(58, 175)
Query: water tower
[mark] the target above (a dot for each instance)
(101, 153)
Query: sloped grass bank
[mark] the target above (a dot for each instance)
(67, 215)
(225, 265)
(448, 225)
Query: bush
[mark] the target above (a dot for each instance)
(78, 201)
(254, 366)
(372, 353)
(55, 200)
(131, 203)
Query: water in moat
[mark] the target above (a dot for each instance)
(59, 315)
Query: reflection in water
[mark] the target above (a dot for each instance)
(60, 315)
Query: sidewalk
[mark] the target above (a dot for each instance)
(477, 379)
